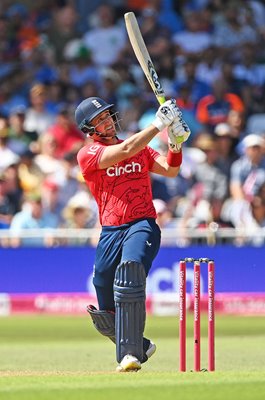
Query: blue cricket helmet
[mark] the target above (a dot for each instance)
(88, 109)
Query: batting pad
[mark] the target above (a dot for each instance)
(129, 297)
(104, 321)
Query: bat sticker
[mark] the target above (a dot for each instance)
(154, 76)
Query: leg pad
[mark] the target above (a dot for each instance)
(104, 321)
(129, 297)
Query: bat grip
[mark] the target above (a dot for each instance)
(161, 99)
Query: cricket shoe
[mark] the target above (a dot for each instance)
(129, 363)
(151, 349)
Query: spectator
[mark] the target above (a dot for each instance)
(252, 219)
(248, 172)
(247, 177)
(69, 179)
(38, 119)
(164, 215)
(67, 136)
(23, 28)
(10, 46)
(8, 206)
(159, 189)
(208, 183)
(81, 199)
(165, 66)
(209, 67)
(127, 89)
(188, 109)
(44, 71)
(137, 5)
(193, 40)
(187, 77)
(151, 28)
(57, 95)
(89, 89)
(30, 175)
(12, 92)
(234, 84)
(81, 213)
(256, 123)
(258, 13)
(256, 218)
(7, 209)
(249, 69)
(62, 30)
(33, 216)
(167, 16)
(236, 121)
(110, 84)
(50, 199)
(214, 108)
(20, 140)
(233, 30)
(107, 39)
(46, 159)
(174, 191)
(7, 156)
(82, 69)
(13, 186)
(41, 14)
(209, 215)
(226, 145)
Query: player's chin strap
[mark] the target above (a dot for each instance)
(91, 130)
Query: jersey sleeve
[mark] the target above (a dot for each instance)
(89, 156)
(152, 155)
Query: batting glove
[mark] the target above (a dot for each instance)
(166, 114)
(178, 133)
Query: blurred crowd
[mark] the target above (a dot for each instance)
(210, 57)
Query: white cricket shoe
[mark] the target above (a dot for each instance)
(129, 363)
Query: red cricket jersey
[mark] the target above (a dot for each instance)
(123, 191)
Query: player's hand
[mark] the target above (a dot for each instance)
(178, 133)
(166, 114)
(174, 142)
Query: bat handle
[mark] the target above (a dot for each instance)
(161, 99)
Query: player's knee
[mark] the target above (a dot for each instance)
(129, 281)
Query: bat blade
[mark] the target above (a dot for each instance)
(143, 56)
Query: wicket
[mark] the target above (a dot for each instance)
(197, 314)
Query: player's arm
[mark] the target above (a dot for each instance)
(113, 154)
(161, 166)
(128, 148)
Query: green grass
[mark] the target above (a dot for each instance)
(44, 357)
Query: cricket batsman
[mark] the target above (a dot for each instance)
(117, 174)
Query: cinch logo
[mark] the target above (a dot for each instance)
(128, 169)
(96, 103)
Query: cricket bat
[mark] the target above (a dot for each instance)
(143, 56)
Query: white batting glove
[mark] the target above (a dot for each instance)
(174, 142)
(178, 133)
(166, 114)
